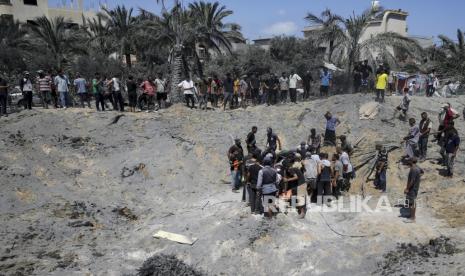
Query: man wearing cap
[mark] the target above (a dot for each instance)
(236, 157)
(25, 85)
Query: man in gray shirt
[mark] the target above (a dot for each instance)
(413, 185)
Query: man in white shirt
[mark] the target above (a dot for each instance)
(61, 82)
(284, 87)
(187, 87)
(26, 85)
(347, 168)
(294, 79)
(115, 84)
(162, 94)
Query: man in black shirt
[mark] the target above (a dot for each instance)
(250, 141)
(366, 71)
(413, 185)
(273, 86)
(253, 168)
(307, 82)
(273, 141)
(254, 85)
(3, 95)
(228, 86)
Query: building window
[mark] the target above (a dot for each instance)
(30, 2)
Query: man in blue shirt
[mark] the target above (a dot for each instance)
(325, 78)
(330, 133)
(80, 85)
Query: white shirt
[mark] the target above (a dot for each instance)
(61, 83)
(116, 84)
(293, 81)
(187, 87)
(27, 85)
(346, 161)
(160, 85)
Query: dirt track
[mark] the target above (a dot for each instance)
(81, 195)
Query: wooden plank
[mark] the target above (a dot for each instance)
(174, 237)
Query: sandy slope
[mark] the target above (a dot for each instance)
(62, 186)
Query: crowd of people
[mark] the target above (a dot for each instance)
(309, 174)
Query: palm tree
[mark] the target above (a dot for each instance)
(61, 41)
(452, 60)
(122, 26)
(182, 30)
(328, 30)
(99, 35)
(13, 45)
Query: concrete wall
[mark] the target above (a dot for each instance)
(24, 13)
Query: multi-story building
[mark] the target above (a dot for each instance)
(26, 10)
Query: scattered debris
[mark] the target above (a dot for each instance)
(174, 237)
(81, 223)
(77, 142)
(116, 119)
(167, 265)
(302, 116)
(125, 212)
(368, 111)
(398, 259)
(126, 172)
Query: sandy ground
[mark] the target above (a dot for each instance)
(82, 196)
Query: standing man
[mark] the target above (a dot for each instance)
(425, 129)
(357, 75)
(314, 140)
(149, 90)
(97, 89)
(62, 82)
(3, 96)
(366, 71)
(338, 179)
(381, 84)
(413, 185)
(44, 84)
(294, 79)
(80, 85)
(228, 85)
(273, 142)
(26, 87)
(162, 95)
(346, 167)
(330, 134)
(115, 84)
(243, 87)
(255, 202)
(251, 141)
(273, 87)
(283, 87)
(452, 144)
(236, 157)
(132, 93)
(254, 88)
(346, 145)
(187, 87)
(430, 89)
(381, 168)
(411, 140)
(307, 81)
(267, 184)
(326, 79)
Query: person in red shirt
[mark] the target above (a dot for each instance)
(148, 95)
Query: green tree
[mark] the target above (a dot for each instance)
(329, 30)
(122, 26)
(451, 56)
(13, 46)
